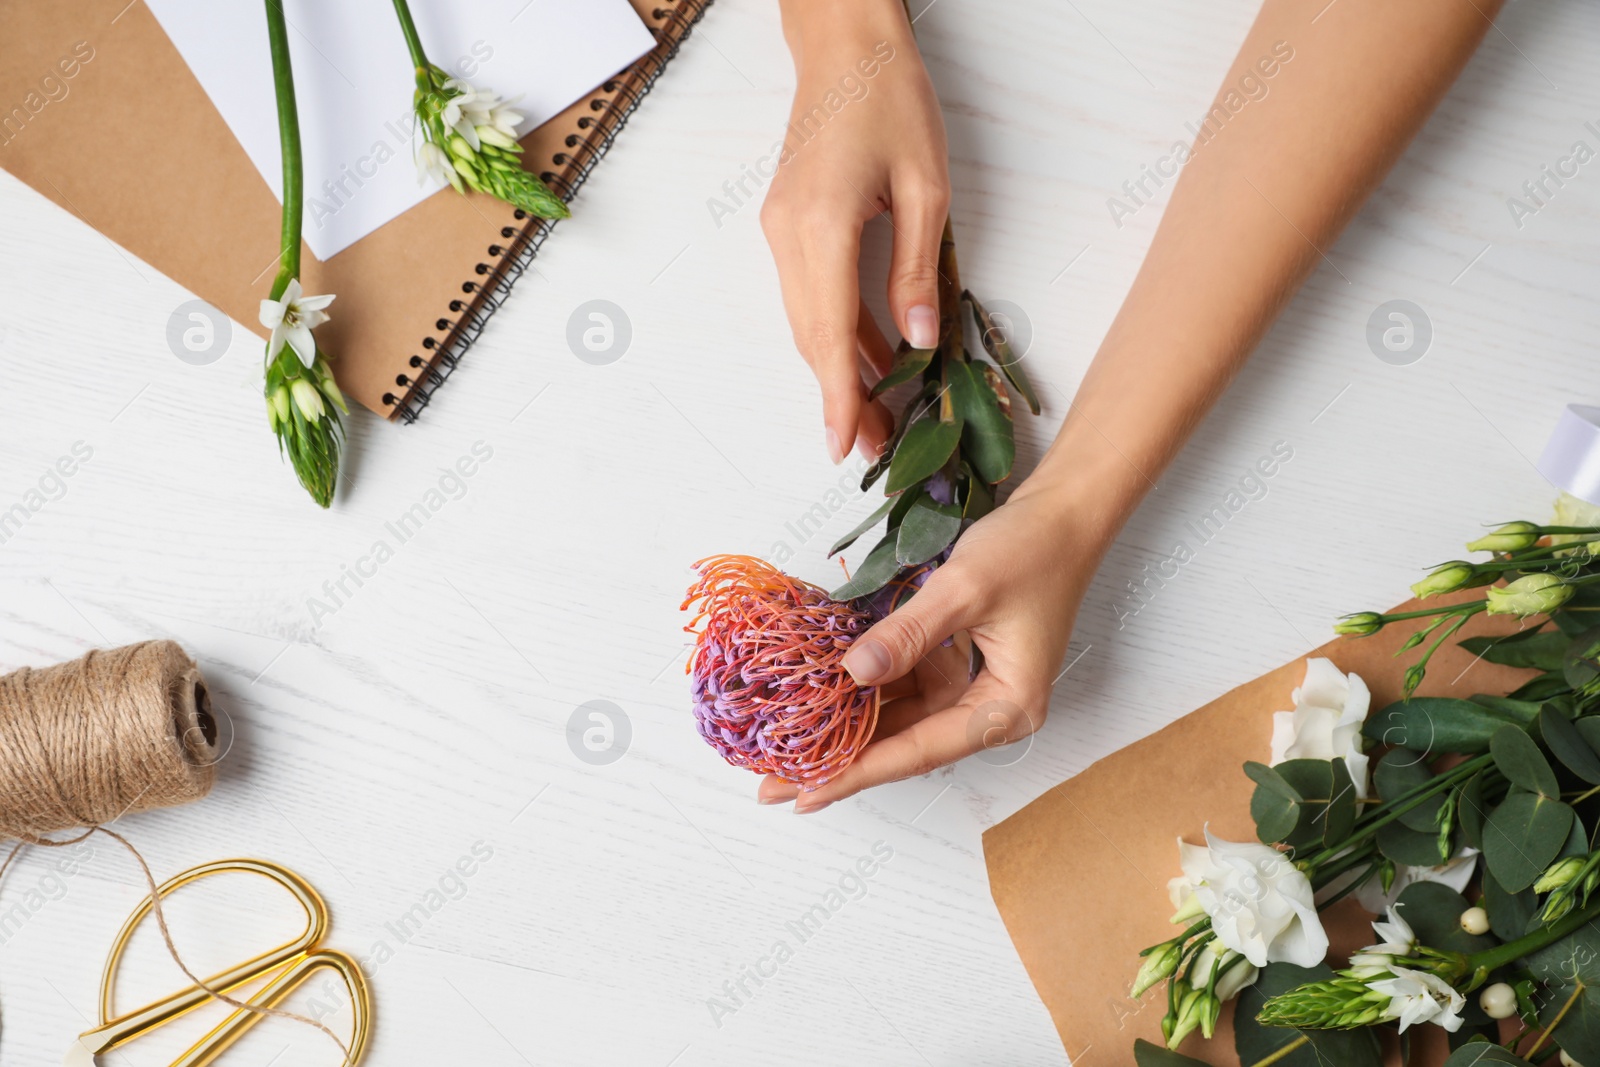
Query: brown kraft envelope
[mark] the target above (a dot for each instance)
(129, 143)
(1080, 875)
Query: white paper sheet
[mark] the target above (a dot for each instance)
(353, 82)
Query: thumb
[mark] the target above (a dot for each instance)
(892, 647)
(919, 220)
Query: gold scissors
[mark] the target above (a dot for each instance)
(293, 963)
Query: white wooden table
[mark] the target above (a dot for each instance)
(428, 714)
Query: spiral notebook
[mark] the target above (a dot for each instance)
(100, 113)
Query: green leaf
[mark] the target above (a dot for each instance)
(1339, 818)
(1575, 957)
(1577, 839)
(978, 500)
(1517, 756)
(927, 530)
(1484, 1054)
(1581, 663)
(875, 572)
(1470, 811)
(1437, 724)
(916, 404)
(1542, 688)
(999, 348)
(1518, 711)
(1589, 729)
(1399, 771)
(1569, 746)
(1253, 1042)
(927, 446)
(1275, 805)
(1321, 788)
(1579, 1033)
(988, 440)
(1522, 836)
(1571, 623)
(1405, 845)
(1509, 913)
(1434, 914)
(1147, 1055)
(908, 363)
(866, 524)
(1540, 649)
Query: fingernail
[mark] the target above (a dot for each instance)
(771, 800)
(922, 326)
(835, 453)
(867, 662)
(802, 808)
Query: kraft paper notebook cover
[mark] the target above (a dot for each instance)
(130, 144)
(1080, 875)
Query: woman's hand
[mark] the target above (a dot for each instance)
(1012, 584)
(865, 137)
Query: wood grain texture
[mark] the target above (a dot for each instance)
(376, 745)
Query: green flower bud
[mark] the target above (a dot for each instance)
(278, 406)
(1190, 911)
(1445, 578)
(459, 147)
(1559, 874)
(1360, 624)
(1413, 678)
(1532, 594)
(1208, 1008)
(1191, 1011)
(490, 135)
(1159, 964)
(1512, 537)
(307, 399)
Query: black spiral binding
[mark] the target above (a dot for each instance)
(512, 259)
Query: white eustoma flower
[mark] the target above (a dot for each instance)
(1455, 874)
(1259, 902)
(1420, 997)
(1329, 709)
(1231, 981)
(291, 320)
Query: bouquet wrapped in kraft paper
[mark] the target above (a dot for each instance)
(1080, 876)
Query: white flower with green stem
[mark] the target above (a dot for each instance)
(469, 135)
(303, 402)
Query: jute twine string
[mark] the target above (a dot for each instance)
(84, 743)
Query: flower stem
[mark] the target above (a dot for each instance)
(1399, 615)
(1500, 955)
(288, 147)
(1402, 804)
(1282, 1052)
(419, 58)
(1562, 1014)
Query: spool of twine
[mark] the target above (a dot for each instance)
(115, 732)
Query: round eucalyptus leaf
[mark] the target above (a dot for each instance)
(1470, 810)
(1517, 756)
(1400, 771)
(1568, 745)
(1581, 663)
(1404, 845)
(1522, 836)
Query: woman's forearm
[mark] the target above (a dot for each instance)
(1269, 184)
